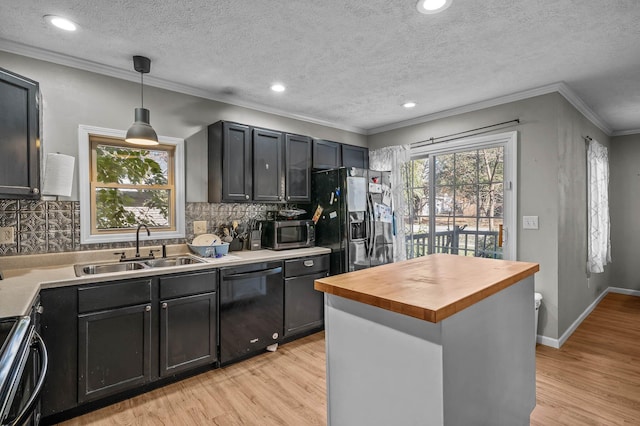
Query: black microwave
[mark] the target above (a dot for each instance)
(288, 234)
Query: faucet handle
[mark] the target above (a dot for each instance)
(123, 257)
(151, 252)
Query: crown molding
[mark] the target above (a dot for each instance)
(83, 64)
(559, 87)
(626, 132)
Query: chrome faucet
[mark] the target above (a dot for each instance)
(138, 237)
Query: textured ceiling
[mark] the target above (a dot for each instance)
(353, 63)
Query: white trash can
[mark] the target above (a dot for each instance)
(538, 298)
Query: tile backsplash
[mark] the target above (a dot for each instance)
(54, 226)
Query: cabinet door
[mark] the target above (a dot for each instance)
(60, 391)
(19, 137)
(326, 154)
(355, 156)
(303, 305)
(229, 165)
(113, 351)
(187, 333)
(298, 168)
(268, 171)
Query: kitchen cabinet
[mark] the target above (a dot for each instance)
(188, 321)
(326, 154)
(230, 162)
(114, 338)
(298, 151)
(303, 305)
(355, 156)
(19, 137)
(268, 169)
(110, 337)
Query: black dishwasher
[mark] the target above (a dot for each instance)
(251, 309)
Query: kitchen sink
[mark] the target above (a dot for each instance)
(172, 261)
(106, 268)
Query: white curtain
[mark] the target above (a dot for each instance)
(393, 158)
(598, 175)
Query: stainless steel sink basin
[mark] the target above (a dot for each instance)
(106, 268)
(172, 261)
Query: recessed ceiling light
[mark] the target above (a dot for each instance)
(62, 23)
(429, 7)
(409, 104)
(277, 87)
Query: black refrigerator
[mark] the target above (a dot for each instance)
(353, 213)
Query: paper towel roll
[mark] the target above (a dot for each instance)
(58, 175)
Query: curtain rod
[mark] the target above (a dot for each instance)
(450, 138)
(587, 139)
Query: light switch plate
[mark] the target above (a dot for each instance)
(530, 222)
(199, 227)
(7, 235)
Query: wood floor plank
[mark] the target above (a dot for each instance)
(594, 379)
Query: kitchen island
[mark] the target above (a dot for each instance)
(436, 340)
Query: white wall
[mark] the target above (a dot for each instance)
(551, 176)
(72, 97)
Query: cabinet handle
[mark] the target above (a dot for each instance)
(35, 191)
(164, 305)
(147, 308)
(308, 262)
(289, 197)
(246, 197)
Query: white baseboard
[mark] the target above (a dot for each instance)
(557, 343)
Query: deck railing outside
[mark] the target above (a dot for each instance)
(456, 241)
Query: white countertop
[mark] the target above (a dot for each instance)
(24, 276)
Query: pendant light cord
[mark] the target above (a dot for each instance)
(142, 89)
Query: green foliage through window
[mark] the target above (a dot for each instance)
(132, 187)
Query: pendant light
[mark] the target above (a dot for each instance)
(141, 132)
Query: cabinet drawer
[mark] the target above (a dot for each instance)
(185, 285)
(113, 295)
(306, 266)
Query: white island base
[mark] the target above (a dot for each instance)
(476, 367)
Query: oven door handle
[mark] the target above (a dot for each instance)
(38, 343)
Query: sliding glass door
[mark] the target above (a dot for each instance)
(460, 198)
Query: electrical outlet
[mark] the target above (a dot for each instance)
(529, 222)
(7, 235)
(199, 227)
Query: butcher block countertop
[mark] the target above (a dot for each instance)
(430, 288)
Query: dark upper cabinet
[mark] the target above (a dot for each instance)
(355, 156)
(19, 137)
(297, 168)
(326, 154)
(268, 169)
(230, 162)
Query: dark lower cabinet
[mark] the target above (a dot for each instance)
(303, 305)
(110, 339)
(114, 348)
(187, 333)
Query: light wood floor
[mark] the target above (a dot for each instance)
(594, 379)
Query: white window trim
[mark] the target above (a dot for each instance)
(509, 140)
(84, 186)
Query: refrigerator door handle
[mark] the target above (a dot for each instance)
(372, 226)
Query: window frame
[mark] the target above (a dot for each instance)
(509, 141)
(88, 231)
